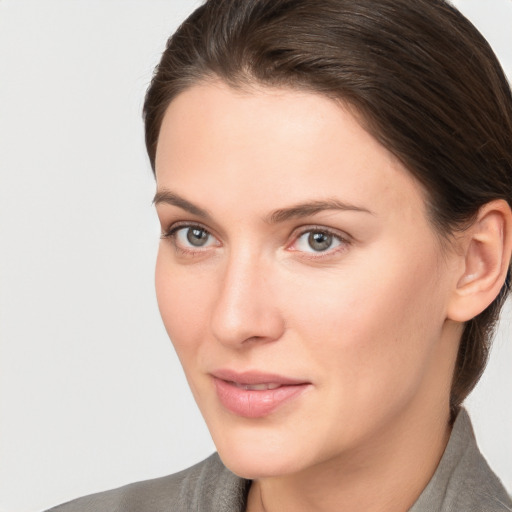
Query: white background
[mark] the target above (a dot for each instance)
(91, 392)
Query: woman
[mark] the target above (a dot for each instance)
(334, 181)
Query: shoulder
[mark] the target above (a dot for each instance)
(463, 481)
(475, 487)
(204, 486)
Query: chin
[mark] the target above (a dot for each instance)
(255, 465)
(256, 450)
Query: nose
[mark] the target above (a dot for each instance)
(246, 309)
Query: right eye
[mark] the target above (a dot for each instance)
(188, 238)
(193, 237)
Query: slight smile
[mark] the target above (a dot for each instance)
(255, 394)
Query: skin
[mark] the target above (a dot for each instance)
(366, 322)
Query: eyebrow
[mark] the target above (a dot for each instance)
(311, 208)
(168, 197)
(296, 211)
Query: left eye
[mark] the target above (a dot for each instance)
(317, 241)
(193, 236)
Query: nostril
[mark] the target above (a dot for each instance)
(247, 326)
(246, 312)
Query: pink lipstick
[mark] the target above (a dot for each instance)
(255, 394)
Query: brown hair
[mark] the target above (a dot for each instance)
(425, 82)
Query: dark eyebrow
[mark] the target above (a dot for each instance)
(168, 197)
(282, 214)
(310, 208)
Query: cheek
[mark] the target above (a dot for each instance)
(371, 318)
(183, 303)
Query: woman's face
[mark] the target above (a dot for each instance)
(298, 277)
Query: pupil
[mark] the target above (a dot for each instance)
(319, 241)
(197, 236)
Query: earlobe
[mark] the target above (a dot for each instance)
(487, 248)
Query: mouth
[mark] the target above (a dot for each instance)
(256, 387)
(255, 394)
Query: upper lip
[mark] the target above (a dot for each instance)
(255, 377)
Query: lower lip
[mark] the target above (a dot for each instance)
(255, 404)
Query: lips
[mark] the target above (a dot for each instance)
(255, 394)
(257, 387)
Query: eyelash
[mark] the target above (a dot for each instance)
(343, 240)
(171, 234)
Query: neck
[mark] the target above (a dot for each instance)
(387, 475)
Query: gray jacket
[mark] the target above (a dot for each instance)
(463, 482)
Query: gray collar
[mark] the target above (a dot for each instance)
(463, 481)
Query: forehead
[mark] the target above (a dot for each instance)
(265, 142)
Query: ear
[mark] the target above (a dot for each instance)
(485, 259)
